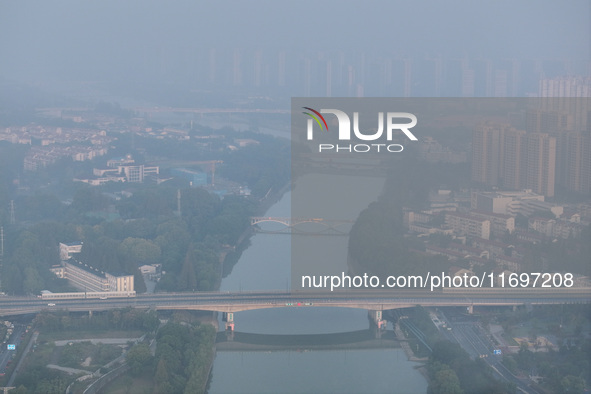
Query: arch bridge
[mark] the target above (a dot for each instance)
(303, 225)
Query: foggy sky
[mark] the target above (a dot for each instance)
(112, 40)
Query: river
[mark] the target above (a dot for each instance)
(265, 265)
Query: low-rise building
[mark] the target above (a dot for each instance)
(87, 278)
(466, 224)
(523, 202)
(555, 228)
(499, 223)
(68, 249)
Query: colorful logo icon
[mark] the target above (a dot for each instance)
(316, 117)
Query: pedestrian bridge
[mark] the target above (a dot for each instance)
(288, 225)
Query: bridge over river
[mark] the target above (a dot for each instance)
(288, 225)
(373, 301)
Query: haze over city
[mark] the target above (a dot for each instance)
(194, 196)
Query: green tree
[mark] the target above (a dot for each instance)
(20, 390)
(188, 278)
(87, 199)
(33, 283)
(136, 251)
(139, 358)
(445, 381)
(572, 384)
(161, 378)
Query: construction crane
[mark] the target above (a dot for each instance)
(210, 167)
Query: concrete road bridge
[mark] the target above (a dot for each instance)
(373, 301)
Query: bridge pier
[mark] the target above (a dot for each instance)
(376, 317)
(470, 309)
(228, 317)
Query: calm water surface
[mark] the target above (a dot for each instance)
(265, 265)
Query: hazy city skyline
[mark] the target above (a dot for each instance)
(321, 49)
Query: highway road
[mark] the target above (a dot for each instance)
(7, 355)
(22, 358)
(476, 341)
(234, 302)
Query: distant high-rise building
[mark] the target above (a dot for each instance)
(515, 154)
(577, 163)
(565, 113)
(438, 76)
(328, 78)
(281, 69)
(565, 87)
(500, 85)
(487, 141)
(359, 91)
(514, 159)
(468, 81)
(212, 66)
(541, 163)
(237, 68)
(407, 77)
(258, 68)
(515, 78)
(489, 78)
(308, 75)
(350, 80)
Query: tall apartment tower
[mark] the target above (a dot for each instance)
(565, 87)
(487, 155)
(510, 158)
(515, 159)
(468, 82)
(407, 77)
(237, 68)
(212, 66)
(541, 163)
(565, 113)
(281, 69)
(577, 162)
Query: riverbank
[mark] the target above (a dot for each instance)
(230, 256)
(422, 368)
(406, 347)
(272, 198)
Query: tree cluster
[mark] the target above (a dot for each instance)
(452, 371)
(183, 357)
(565, 371)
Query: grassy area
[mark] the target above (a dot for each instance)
(41, 355)
(84, 355)
(73, 356)
(81, 334)
(127, 384)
